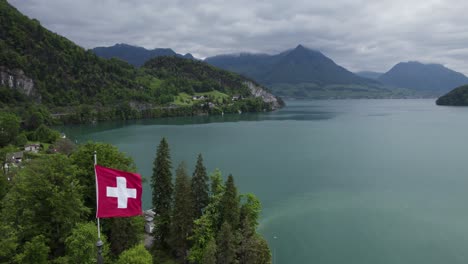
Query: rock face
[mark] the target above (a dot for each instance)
(266, 96)
(16, 79)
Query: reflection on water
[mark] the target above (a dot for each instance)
(295, 111)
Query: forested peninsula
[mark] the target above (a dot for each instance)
(41, 68)
(456, 97)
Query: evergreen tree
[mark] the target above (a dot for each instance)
(217, 186)
(161, 184)
(200, 187)
(124, 233)
(182, 213)
(209, 254)
(250, 211)
(230, 204)
(226, 246)
(254, 250)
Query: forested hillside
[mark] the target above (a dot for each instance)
(37, 65)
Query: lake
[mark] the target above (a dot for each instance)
(343, 181)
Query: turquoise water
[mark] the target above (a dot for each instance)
(345, 181)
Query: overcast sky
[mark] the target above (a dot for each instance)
(357, 34)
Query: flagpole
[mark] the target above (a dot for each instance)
(99, 243)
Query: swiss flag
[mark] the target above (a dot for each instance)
(118, 193)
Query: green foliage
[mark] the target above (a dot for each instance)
(199, 187)
(161, 184)
(8, 242)
(191, 76)
(226, 245)
(124, 233)
(182, 213)
(254, 250)
(217, 186)
(45, 134)
(9, 128)
(64, 146)
(209, 254)
(34, 252)
(45, 199)
(21, 140)
(135, 255)
(230, 204)
(81, 244)
(250, 210)
(203, 233)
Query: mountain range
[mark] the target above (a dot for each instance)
(303, 72)
(300, 72)
(134, 55)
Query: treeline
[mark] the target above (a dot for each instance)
(200, 219)
(87, 114)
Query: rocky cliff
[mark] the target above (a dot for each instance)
(16, 79)
(267, 97)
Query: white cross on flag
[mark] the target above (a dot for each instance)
(118, 193)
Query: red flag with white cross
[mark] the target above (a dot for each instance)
(118, 193)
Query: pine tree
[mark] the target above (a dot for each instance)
(226, 246)
(161, 184)
(217, 186)
(182, 214)
(200, 187)
(209, 254)
(230, 204)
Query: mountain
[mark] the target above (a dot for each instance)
(456, 97)
(369, 74)
(38, 66)
(300, 72)
(432, 78)
(134, 55)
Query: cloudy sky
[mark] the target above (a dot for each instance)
(357, 34)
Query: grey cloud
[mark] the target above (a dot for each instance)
(358, 34)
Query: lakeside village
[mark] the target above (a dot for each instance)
(14, 159)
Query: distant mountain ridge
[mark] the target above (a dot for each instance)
(298, 65)
(134, 55)
(369, 74)
(298, 72)
(434, 78)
